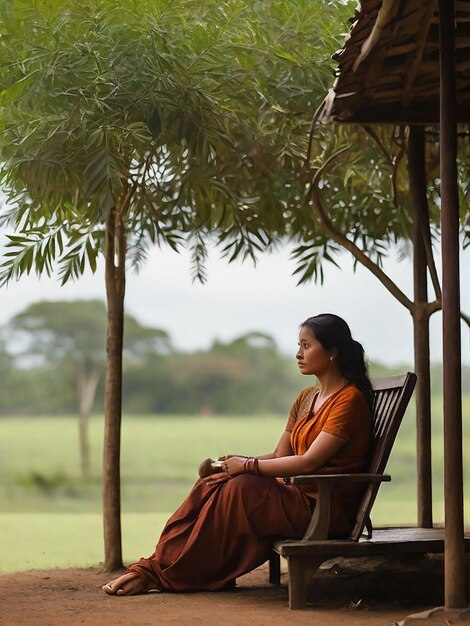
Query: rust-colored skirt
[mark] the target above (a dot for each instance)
(222, 532)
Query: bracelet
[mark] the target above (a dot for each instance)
(250, 466)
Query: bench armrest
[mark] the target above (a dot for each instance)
(324, 484)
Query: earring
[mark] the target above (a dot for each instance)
(331, 358)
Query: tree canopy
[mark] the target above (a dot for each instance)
(187, 116)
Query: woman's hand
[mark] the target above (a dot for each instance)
(216, 479)
(231, 466)
(234, 465)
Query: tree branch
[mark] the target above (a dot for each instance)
(420, 206)
(370, 131)
(346, 243)
(308, 156)
(426, 235)
(395, 165)
(393, 162)
(465, 318)
(121, 255)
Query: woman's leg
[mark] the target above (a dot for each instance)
(222, 532)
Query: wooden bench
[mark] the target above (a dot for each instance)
(304, 556)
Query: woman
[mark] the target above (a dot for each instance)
(228, 523)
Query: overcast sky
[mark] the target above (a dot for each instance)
(239, 298)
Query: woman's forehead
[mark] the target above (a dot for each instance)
(306, 333)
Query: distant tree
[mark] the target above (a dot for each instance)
(246, 375)
(149, 385)
(72, 335)
(6, 368)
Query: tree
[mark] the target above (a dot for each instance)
(368, 191)
(71, 335)
(146, 123)
(235, 377)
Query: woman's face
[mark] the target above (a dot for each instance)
(312, 358)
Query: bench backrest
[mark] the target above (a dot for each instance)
(391, 397)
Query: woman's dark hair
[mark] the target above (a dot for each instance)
(333, 332)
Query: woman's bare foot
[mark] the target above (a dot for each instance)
(126, 585)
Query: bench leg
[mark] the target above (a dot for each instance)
(297, 582)
(300, 569)
(275, 568)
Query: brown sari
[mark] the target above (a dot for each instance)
(222, 532)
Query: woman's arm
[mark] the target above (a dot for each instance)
(283, 448)
(322, 449)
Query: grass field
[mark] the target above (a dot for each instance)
(50, 517)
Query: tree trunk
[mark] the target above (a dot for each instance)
(86, 388)
(417, 178)
(115, 288)
(423, 417)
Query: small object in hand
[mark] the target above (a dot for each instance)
(209, 466)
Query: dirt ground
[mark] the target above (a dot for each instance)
(349, 593)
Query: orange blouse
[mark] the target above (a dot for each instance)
(346, 415)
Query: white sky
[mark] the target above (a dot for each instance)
(239, 298)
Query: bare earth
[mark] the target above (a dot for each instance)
(349, 593)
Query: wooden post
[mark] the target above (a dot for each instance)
(453, 479)
(417, 178)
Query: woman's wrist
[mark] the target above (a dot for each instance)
(251, 465)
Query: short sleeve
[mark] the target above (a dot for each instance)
(347, 414)
(301, 406)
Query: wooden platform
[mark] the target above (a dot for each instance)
(304, 557)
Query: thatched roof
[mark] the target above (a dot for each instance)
(388, 70)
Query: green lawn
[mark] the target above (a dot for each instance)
(50, 517)
(49, 540)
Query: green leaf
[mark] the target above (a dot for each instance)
(97, 171)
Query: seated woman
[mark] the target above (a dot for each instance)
(228, 523)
